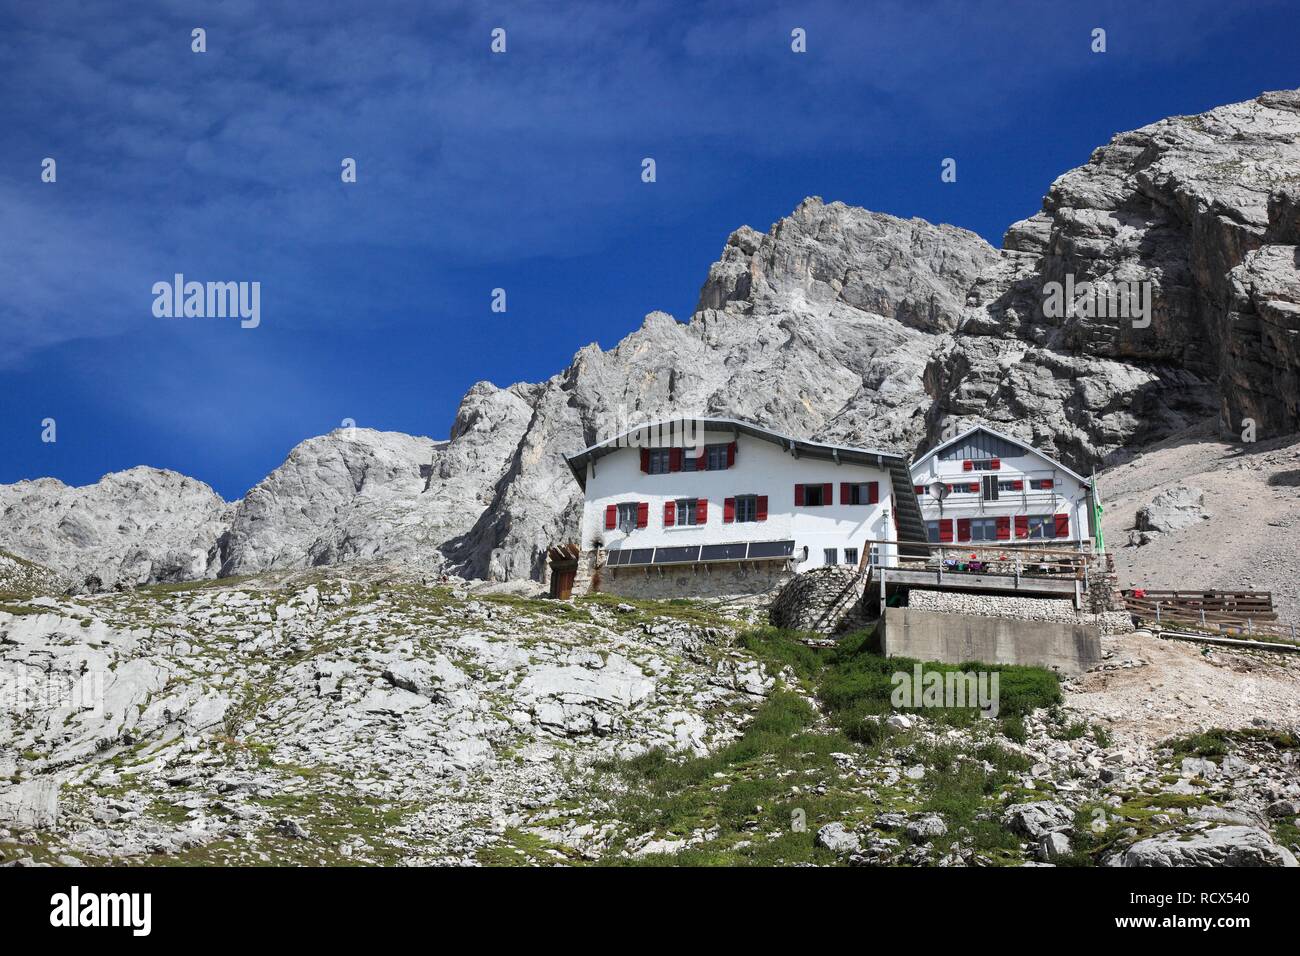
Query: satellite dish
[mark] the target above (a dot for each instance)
(938, 490)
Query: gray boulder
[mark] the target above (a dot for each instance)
(1037, 819)
(838, 839)
(926, 828)
(1214, 846)
(30, 805)
(1172, 510)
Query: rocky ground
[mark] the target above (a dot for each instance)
(334, 717)
(1214, 514)
(368, 716)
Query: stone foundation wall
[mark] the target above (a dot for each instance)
(721, 580)
(1060, 611)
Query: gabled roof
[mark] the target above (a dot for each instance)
(1006, 438)
(734, 427)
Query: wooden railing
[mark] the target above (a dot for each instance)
(1003, 557)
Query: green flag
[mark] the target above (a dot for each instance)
(1099, 541)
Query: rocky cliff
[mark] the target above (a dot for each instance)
(837, 323)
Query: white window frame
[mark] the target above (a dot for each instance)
(627, 524)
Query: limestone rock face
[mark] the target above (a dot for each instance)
(837, 324)
(131, 527)
(359, 494)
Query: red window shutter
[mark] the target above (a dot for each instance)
(702, 463)
(963, 529)
(846, 493)
(945, 530)
(995, 464)
(1004, 528)
(828, 494)
(645, 459)
(974, 488)
(611, 516)
(1017, 486)
(729, 509)
(731, 454)
(762, 507)
(642, 513)
(702, 511)
(674, 459)
(1022, 526)
(798, 496)
(1062, 525)
(670, 513)
(873, 492)
(967, 465)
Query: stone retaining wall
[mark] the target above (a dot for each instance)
(1060, 611)
(713, 580)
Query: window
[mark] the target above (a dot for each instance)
(932, 531)
(1042, 526)
(746, 508)
(991, 488)
(812, 496)
(1043, 484)
(831, 556)
(660, 461)
(627, 516)
(859, 493)
(716, 456)
(851, 556)
(983, 529)
(1010, 485)
(688, 511)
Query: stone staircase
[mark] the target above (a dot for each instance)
(823, 600)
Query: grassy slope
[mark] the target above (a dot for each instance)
(794, 763)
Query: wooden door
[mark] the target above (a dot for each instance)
(562, 583)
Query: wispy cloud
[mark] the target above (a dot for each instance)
(228, 161)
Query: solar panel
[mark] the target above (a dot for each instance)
(640, 556)
(614, 558)
(683, 555)
(723, 552)
(771, 549)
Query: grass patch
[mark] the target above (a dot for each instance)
(736, 806)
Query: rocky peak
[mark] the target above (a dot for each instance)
(130, 527)
(840, 324)
(906, 269)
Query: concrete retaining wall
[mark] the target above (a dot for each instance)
(954, 639)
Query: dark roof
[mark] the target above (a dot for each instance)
(733, 427)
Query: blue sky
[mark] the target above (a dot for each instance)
(478, 171)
